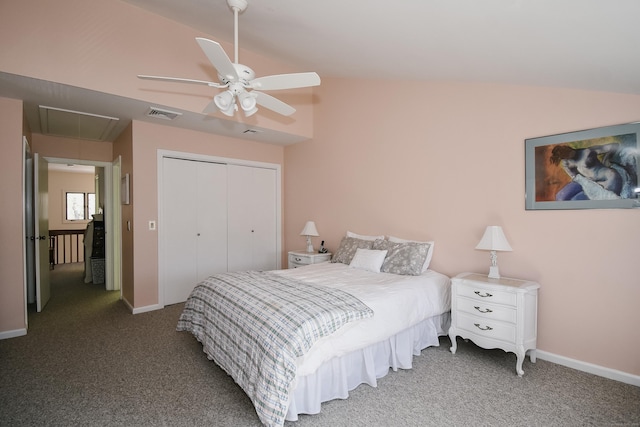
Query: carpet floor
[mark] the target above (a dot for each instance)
(87, 361)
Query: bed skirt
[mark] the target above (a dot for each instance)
(336, 377)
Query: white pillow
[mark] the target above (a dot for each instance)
(427, 261)
(368, 259)
(363, 237)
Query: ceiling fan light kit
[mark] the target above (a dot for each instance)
(237, 78)
(224, 102)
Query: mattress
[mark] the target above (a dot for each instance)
(399, 302)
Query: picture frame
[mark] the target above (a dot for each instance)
(587, 169)
(124, 189)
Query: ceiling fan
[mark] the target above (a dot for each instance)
(240, 81)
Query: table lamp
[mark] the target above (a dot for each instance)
(494, 240)
(308, 231)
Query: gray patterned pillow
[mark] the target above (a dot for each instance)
(348, 248)
(403, 258)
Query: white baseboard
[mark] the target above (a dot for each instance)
(141, 309)
(12, 334)
(146, 308)
(601, 371)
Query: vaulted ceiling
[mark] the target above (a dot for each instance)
(586, 44)
(582, 44)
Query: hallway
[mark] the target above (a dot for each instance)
(72, 300)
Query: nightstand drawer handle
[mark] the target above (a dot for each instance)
(487, 294)
(486, 328)
(486, 310)
(298, 259)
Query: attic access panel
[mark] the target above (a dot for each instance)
(76, 124)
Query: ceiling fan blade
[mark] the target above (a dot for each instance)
(274, 104)
(218, 57)
(181, 80)
(211, 107)
(285, 81)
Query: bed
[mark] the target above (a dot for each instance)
(350, 320)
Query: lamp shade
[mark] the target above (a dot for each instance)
(494, 240)
(225, 102)
(309, 229)
(248, 103)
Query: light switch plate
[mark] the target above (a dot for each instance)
(152, 225)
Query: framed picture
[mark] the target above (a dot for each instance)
(588, 169)
(124, 189)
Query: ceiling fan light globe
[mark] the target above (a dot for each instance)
(223, 100)
(247, 102)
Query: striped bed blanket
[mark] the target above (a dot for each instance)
(255, 325)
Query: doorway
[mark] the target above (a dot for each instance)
(108, 193)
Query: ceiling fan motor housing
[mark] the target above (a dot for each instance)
(245, 75)
(240, 5)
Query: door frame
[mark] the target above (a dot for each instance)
(161, 154)
(41, 234)
(110, 226)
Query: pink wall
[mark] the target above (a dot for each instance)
(71, 148)
(441, 161)
(12, 292)
(123, 147)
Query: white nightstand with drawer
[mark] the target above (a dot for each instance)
(495, 313)
(302, 258)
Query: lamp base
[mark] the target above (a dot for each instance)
(309, 244)
(494, 273)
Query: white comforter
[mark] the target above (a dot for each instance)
(398, 302)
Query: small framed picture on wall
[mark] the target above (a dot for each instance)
(124, 189)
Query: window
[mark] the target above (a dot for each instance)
(79, 206)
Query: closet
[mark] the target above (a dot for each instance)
(215, 217)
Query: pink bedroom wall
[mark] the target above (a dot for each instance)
(103, 45)
(123, 149)
(72, 148)
(12, 290)
(149, 138)
(441, 161)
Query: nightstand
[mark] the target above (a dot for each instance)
(495, 313)
(302, 258)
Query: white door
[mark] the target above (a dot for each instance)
(252, 218)
(194, 225)
(29, 223)
(41, 229)
(211, 219)
(265, 236)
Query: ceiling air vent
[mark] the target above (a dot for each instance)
(162, 114)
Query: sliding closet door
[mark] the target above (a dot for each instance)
(252, 218)
(194, 229)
